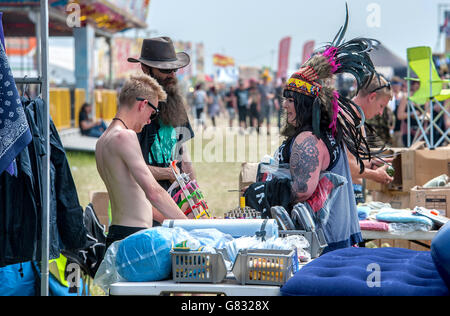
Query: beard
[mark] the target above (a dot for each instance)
(173, 111)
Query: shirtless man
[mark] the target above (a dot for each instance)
(131, 186)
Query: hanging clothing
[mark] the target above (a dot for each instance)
(14, 131)
(21, 198)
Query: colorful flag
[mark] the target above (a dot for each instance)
(222, 61)
(14, 130)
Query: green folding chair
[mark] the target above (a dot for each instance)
(420, 60)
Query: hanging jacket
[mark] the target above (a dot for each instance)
(21, 198)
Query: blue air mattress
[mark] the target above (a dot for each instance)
(369, 272)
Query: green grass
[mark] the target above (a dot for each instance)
(85, 175)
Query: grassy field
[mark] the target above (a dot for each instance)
(217, 155)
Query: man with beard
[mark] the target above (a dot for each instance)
(163, 140)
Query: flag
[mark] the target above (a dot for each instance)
(222, 61)
(308, 49)
(14, 130)
(283, 57)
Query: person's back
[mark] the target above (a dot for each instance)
(129, 204)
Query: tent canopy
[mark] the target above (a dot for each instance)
(388, 63)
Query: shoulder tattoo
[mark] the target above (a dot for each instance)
(304, 161)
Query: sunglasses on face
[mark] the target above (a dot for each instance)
(388, 86)
(167, 71)
(154, 114)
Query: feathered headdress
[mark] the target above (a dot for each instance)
(338, 57)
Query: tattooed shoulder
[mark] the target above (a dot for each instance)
(304, 161)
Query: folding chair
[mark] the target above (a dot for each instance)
(431, 90)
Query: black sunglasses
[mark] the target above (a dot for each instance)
(154, 114)
(167, 71)
(388, 86)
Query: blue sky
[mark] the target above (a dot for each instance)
(250, 30)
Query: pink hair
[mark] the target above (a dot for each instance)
(330, 53)
(336, 110)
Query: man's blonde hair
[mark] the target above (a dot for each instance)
(142, 86)
(377, 81)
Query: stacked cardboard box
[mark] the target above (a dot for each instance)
(432, 198)
(413, 166)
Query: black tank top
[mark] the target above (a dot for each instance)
(284, 152)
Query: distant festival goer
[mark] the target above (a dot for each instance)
(89, 126)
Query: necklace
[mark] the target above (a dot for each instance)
(118, 119)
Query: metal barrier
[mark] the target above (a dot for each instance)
(106, 104)
(60, 107)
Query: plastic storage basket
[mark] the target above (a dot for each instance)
(265, 266)
(198, 267)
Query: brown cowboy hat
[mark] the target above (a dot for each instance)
(159, 52)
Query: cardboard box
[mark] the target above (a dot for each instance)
(248, 174)
(432, 198)
(414, 166)
(398, 200)
(420, 166)
(100, 202)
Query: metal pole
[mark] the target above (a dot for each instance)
(431, 105)
(408, 104)
(38, 35)
(46, 162)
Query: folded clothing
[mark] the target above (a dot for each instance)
(374, 225)
(363, 212)
(401, 216)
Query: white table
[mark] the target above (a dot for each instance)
(412, 236)
(228, 287)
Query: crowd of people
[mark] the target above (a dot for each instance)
(251, 103)
(248, 104)
(392, 125)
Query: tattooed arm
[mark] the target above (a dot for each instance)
(309, 156)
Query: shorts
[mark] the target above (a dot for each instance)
(119, 232)
(242, 113)
(198, 113)
(265, 113)
(254, 111)
(231, 113)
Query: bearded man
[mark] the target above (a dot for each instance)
(163, 140)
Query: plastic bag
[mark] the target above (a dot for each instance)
(143, 256)
(211, 237)
(319, 204)
(292, 242)
(268, 171)
(404, 228)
